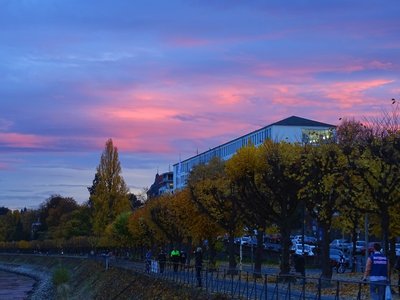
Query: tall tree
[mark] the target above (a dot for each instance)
(110, 196)
(215, 196)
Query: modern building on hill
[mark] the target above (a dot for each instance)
(163, 183)
(293, 130)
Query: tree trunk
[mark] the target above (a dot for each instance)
(325, 260)
(259, 254)
(231, 252)
(385, 229)
(285, 244)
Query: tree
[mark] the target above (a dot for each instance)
(167, 215)
(373, 152)
(321, 168)
(75, 224)
(110, 194)
(380, 168)
(53, 214)
(135, 201)
(119, 231)
(214, 195)
(352, 140)
(267, 183)
(143, 231)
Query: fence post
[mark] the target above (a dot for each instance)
(206, 279)
(319, 289)
(266, 286)
(231, 285)
(240, 281)
(277, 287)
(337, 289)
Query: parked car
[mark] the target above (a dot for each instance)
(246, 241)
(298, 249)
(275, 247)
(310, 240)
(335, 255)
(340, 244)
(360, 247)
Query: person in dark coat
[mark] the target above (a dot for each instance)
(162, 259)
(183, 259)
(397, 267)
(198, 257)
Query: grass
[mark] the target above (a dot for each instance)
(60, 276)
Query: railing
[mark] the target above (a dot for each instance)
(247, 285)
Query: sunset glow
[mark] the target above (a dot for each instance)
(168, 79)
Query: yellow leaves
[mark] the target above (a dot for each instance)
(243, 162)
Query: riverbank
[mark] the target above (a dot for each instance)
(89, 280)
(42, 288)
(15, 286)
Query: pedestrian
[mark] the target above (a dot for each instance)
(175, 257)
(148, 260)
(162, 259)
(378, 270)
(397, 267)
(183, 257)
(198, 257)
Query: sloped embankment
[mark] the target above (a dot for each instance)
(89, 280)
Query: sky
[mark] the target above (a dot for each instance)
(167, 79)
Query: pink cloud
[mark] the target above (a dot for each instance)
(19, 140)
(148, 113)
(302, 72)
(350, 93)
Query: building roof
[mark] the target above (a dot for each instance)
(297, 121)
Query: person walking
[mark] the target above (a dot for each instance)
(148, 260)
(162, 259)
(378, 270)
(175, 257)
(198, 257)
(397, 267)
(183, 259)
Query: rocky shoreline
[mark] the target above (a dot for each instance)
(43, 288)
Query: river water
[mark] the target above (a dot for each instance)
(14, 286)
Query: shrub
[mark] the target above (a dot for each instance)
(60, 276)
